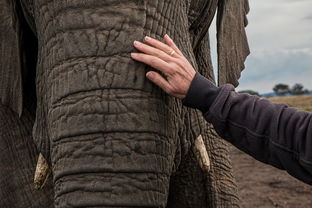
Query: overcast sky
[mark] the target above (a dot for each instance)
(280, 40)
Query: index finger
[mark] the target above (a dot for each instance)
(153, 61)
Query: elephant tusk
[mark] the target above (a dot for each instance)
(201, 154)
(42, 173)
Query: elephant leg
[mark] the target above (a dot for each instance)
(18, 158)
(188, 186)
(192, 186)
(226, 193)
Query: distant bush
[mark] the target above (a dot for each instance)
(281, 89)
(298, 89)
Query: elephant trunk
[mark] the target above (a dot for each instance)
(111, 143)
(109, 170)
(110, 147)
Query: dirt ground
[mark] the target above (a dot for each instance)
(263, 186)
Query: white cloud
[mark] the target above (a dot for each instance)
(280, 39)
(279, 24)
(264, 69)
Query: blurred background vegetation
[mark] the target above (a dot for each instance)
(295, 96)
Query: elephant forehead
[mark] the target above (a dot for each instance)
(118, 21)
(89, 42)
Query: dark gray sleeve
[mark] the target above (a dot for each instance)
(272, 133)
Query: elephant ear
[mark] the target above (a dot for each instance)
(11, 94)
(232, 41)
(18, 56)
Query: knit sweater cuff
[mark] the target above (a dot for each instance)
(201, 93)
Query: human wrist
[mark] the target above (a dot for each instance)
(201, 93)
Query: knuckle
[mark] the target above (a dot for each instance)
(174, 67)
(169, 91)
(182, 60)
(164, 55)
(153, 61)
(170, 42)
(175, 90)
(140, 56)
(182, 63)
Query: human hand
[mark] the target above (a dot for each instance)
(177, 72)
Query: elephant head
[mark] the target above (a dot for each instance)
(112, 138)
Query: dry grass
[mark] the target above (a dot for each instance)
(301, 102)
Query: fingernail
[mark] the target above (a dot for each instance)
(132, 54)
(147, 38)
(136, 43)
(167, 36)
(149, 75)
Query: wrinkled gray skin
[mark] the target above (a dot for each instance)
(112, 138)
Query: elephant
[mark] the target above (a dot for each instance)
(70, 91)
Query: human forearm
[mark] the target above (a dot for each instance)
(271, 133)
